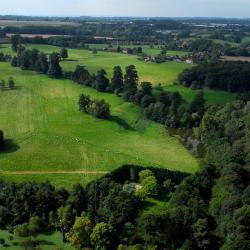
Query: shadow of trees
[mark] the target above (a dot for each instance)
(9, 147)
(121, 122)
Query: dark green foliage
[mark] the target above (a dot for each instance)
(55, 70)
(41, 64)
(81, 75)
(229, 76)
(117, 80)
(14, 61)
(64, 53)
(11, 83)
(100, 109)
(1, 139)
(102, 82)
(159, 229)
(146, 88)
(21, 201)
(117, 207)
(101, 237)
(15, 41)
(131, 80)
(84, 103)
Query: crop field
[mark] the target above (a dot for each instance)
(48, 138)
(36, 35)
(16, 23)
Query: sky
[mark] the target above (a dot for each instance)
(162, 8)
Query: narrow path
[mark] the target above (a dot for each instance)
(52, 172)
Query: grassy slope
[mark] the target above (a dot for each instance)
(48, 241)
(212, 96)
(49, 133)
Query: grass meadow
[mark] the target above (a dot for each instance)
(165, 73)
(50, 241)
(48, 138)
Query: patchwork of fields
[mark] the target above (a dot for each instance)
(49, 136)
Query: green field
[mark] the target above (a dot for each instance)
(212, 97)
(146, 49)
(51, 241)
(50, 138)
(165, 73)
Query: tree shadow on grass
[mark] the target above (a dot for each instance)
(121, 122)
(8, 89)
(9, 147)
(46, 242)
(70, 60)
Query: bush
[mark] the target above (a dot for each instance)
(100, 109)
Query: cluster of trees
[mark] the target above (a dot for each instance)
(100, 216)
(229, 76)
(161, 106)
(242, 50)
(98, 108)
(10, 84)
(38, 61)
(4, 58)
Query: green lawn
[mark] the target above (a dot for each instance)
(51, 241)
(164, 73)
(48, 133)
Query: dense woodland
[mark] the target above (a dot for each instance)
(229, 76)
(207, 210)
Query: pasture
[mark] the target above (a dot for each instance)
(146, 49)
(48, 138)
(165, 73)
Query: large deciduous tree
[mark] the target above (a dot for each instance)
(55, 70)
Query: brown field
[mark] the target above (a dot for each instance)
(35, 35)
(236, 58)
(16, 23)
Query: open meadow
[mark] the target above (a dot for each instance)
(48, 138)
(165, 73)
(146, 49)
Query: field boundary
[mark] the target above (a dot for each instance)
(52, 172)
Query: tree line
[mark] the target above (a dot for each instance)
(229, 76)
